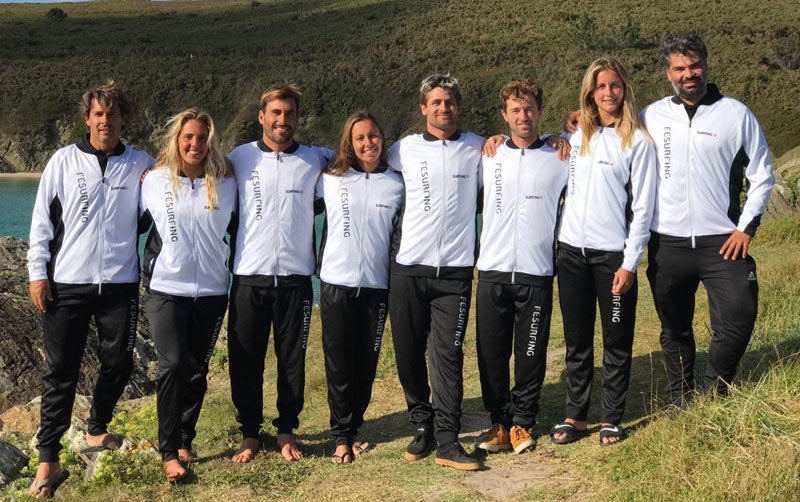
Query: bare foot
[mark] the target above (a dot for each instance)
(106, 439)
(186, 455)
(248, 451)
(288, 447)
(360, 447)
(46, 470)
(175, 471)
(579, 426)
(342, 455)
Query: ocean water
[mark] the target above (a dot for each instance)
(16, 205)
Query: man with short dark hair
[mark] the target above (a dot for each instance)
(272, 267)
(710, 148)
(524, 183)
(431, 276)
(83, 264)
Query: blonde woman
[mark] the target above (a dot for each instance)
(362, 199)
(604, 230)
(191, 205)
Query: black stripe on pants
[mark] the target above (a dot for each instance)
(185, 331)
(66, 326)
(352, 330)
(585, 282)
(431, 314)
(253, 309)
(675, 273)
(512, 316)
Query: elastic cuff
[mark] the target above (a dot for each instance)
(49, 455)
(166, 456)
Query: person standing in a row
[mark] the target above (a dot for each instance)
(431, 281)
(603, 234)
(273, 261)
(362, 200)
(83, 264)
(185, 273)
(523, 187)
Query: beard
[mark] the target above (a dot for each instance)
(691, 94)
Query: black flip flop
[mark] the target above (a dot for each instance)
(573, 434)
(52, 482)
(110, 442)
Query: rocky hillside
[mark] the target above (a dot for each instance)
(21, 356)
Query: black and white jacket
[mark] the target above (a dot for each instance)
(703, 161)
(610, 195)
(187, 251)
(84, 225)
(276, 209)
(436, 237)
(522, 189)
(361, 210)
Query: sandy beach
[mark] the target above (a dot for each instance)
(31, 176)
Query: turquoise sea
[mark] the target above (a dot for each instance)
(16, 204)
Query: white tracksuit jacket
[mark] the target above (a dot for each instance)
(442, 180)
(360, 215)
(276, 208)
(610, 195)
(522, 188)
(84, 225)
(701, 165)
(186, 253)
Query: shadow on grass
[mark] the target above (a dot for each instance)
(646, 398)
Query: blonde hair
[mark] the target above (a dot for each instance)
(170, 158)
(281, 92)
(346, 156)
(588, 121)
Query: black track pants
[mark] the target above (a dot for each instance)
(66, 325)
(675, 272)
(431, 314)
(512, 316)
(352, 330)
(253, 309)
(185, 331)
(585, 282)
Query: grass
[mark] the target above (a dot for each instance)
(746, 446)
(348, 54)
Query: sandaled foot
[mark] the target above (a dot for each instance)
(105, 441)
(288, 447)
(342, 455)
(49, 476)
(360, 447)
(186, 455)
(248, 451)
(174, 470)
(611, 434)
(568, 431)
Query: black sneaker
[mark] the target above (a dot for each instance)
(421, 446)
(453, 455)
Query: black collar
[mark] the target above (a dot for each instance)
(264, 148)
(430, 137)
(85, 146)
(533, 146)
(379, 169)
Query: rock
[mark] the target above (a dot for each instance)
(12, 461)
(25, 418)
(21, 356)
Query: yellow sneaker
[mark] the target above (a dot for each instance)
(494, 440)
(521, 439)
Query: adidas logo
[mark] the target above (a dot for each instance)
(751, 276)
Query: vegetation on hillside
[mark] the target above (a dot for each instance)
(349, 54)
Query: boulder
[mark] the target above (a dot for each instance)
(12, 461)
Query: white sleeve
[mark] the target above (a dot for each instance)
(42, 231)
(759, 173)
(643, 192)
(394, 158)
